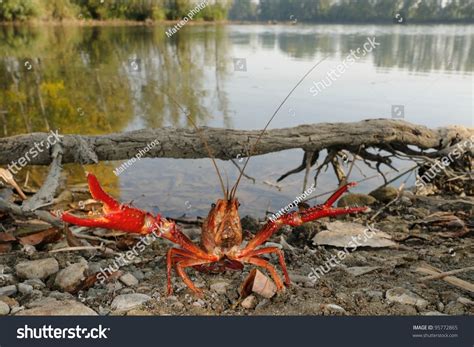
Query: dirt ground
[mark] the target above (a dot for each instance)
(364, 283)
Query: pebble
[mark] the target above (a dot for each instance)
(37, 268)
(4, 309)
(374, 294)
(126, 302)
(406, 297)
(68, 279)
(25, 288)
(220, 287)
(199, 303)
(360, 270)
(35, 283)
(249, 302)
(332, 309)
(53, 307)
(433, 313)
(128, 279)
(385, 194)
(8, 290)
(60, 296)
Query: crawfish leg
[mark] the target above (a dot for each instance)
(281, 259)
(174, 255)
(182, 264)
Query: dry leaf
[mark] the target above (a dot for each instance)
(8, 178)
(43, 237)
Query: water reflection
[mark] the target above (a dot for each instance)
(97, 80)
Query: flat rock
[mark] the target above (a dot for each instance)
(360, 270)
(37, 268)
(128, 279)
(4, 309)
(69, 278)
(351, 236)
(59, 308)
(8, 290)
(406, 297)
(126, 302)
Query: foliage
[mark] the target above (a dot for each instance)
(17, 10)
(358, 11)
(364, 10)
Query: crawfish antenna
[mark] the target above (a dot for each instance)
(204, 141)
(234, 188)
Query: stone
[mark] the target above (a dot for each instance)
(249, 302)
(385, 194)
(60, 296)
(374, 294)
(199, 303)
(53, 307)
(8, 290)
(40, 269)
(36, 283)
(128, 279)
(24, 288)
(332, 309)
(41, 302)
(433, 313)
(126, 302)
(220, 287)
(360, 270)
(4, 309)
(406, 297)
(354, 200)
(68, 279)
(350, 236)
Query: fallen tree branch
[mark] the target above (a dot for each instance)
(229, 144)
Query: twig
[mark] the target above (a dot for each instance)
(78, 248)
(447, 273)
(431, 270)
(47, 191)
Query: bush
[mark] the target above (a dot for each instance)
(17, 10)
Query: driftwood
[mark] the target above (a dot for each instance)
(393, 136)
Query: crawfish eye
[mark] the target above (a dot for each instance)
(213, 205)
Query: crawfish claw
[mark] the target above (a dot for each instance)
(116, 215)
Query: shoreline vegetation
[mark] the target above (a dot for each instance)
(269, 12)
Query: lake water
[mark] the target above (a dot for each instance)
(97, 80)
